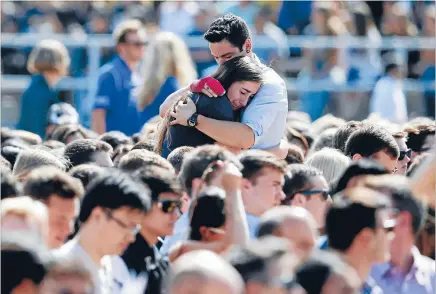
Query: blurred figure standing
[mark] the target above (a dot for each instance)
(168, 65)
(48, 63)
(115, 108)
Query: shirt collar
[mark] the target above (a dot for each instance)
(416, 271)
(122, 65)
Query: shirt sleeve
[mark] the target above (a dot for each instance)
(261, 112)
(105, 91)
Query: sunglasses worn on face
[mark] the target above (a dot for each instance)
(325, 194)
(169, 206)
(137, 43)
(403, 154)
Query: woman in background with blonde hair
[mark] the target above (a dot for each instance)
(48, 62)
(167, 67)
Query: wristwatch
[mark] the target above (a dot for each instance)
(192, 121)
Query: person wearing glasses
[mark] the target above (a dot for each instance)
(372, 141)
(114, 106)
(421, 137)
(110, 216)
(305, 186)
(359, 227)
(405, 152)
(142, 257)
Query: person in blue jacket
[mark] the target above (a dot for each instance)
(48, 62)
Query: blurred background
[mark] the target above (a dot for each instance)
(330, 53)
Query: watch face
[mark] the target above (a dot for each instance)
(191, 123)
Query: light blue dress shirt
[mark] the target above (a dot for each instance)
(419, 280)
(181, 231)
(266, 114)
(253, 225)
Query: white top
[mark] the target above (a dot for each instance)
(388, 100)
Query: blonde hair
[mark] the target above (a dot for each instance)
(330, 161)
(166, 56)
(34, 213)
(49, 55)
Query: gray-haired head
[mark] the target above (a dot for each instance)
(30, 159)
(330, 161)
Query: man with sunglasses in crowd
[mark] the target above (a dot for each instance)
(142, 257)
(110, 216)
(306, 187)
(405, 152)
(359, 228)
(114, 107)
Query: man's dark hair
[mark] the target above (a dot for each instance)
(62, 132)
(9, 186)
(115, 139)
(343, 133)
(209, 212)
(199, 159)
(298, 176)
(53, 144)
(82, 151)
(120, 152)
(86, 173)
(159, 180)
(369, 140)
(46, 181)
(253, 261)
(325, 139)
(137, 159)
(295, 154)
(253, 161)
(364, 166)
(417, 135)
(144, 145)
(177, 156)
(113, 190)
(21, 263)
(345, 219)
(228, 27)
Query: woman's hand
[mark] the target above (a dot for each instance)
(183, 112)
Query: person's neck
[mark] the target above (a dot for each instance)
(51, 78)
(359, 262)
(403, 261)
(150, 237)
(87, 239)
(130, 64)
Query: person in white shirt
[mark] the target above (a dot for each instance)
(388, 99)
(110, 214)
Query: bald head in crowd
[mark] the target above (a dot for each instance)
(293, 223)
(204, 272)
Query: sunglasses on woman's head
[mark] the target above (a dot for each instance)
(169, 205)
(403, 154)
(325, 193)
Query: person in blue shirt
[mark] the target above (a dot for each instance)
(48, 62)
(167, 66)
(115, 106)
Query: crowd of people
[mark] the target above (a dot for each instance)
(209, 185)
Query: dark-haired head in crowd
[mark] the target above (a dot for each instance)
(9, 186)
(265, 265)
(306, 187)
(405, 152)
(26, 268)
(177, 156)
(194, 165)
(120, 152)
(68, 133)
(358, 168)
(295, 154)
(86, 173)
(326, 273)
(404, 256)
(89, 151)
(115, 139)
(421, 138)
(343, 133)
(60, 193)
(140, 256)
(30, 159)
(144, 145)
(359, 226)
(114, 205)
(263, 179)
(293, 223)
(137, 159)
(371, 141)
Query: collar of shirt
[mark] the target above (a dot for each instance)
(416, 272)
(253, 224)
(41, 81)
(122, 66)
